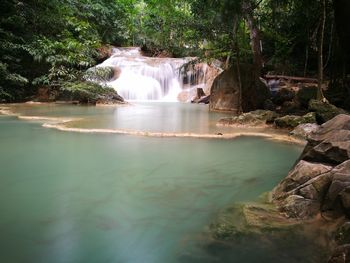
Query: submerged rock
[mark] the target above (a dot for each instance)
(247, 220)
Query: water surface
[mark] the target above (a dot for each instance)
(70, 197)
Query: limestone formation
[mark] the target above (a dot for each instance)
(225, 91)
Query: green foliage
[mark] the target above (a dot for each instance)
(85, 92)
(49, 42)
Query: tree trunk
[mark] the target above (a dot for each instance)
(236, 48)
(254, 35)
(320, 95)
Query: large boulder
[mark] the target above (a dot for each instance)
(302, 131)
(225, 91)
(331, 142)
(301, 173)
(320, 181)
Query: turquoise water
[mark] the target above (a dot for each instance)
(71, 197)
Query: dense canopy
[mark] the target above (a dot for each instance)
(51, 42)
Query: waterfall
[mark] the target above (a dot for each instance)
(138, 77)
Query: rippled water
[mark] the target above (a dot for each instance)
(70, 197)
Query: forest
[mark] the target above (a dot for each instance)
(52, 43)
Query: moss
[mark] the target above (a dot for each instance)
(292, 121)
(85, 91)
(305, 94)
(324, 111)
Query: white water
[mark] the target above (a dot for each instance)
(146, 78)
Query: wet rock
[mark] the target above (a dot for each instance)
(252, 118)
(246, 220)
(303, 131)
(110, 98)
(225, 91)
(292, 121)
(341, 255)
(324, 111)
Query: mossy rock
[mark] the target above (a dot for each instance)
(342, 235)
(324, 111)
(249, 220)
(305, 94)
(87, 92)
(292, 121)
(252, 118)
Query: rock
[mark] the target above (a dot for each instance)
(110, 98)
(253, 219)
(338, 195)
(292, 121)
(305, 94)
(252, 118)
(46, 94)
(87, 92)
(201, 97)
(296, 206)
(204, 100)
(291, 107)
(341, 255)
(331, 143)
(301, 173)
(324, 111)
(342, 235)
(283, 95)
(269, 105)
(225, 92)
(302, 131)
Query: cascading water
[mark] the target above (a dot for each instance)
(146, 78)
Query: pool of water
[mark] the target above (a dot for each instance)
(156, 117)
(71, 197)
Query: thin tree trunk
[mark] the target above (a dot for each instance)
(254, 35)
(236, 48)
(320, 95)
(306, 59)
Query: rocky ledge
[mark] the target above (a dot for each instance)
(319, 183)
(312, 203)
